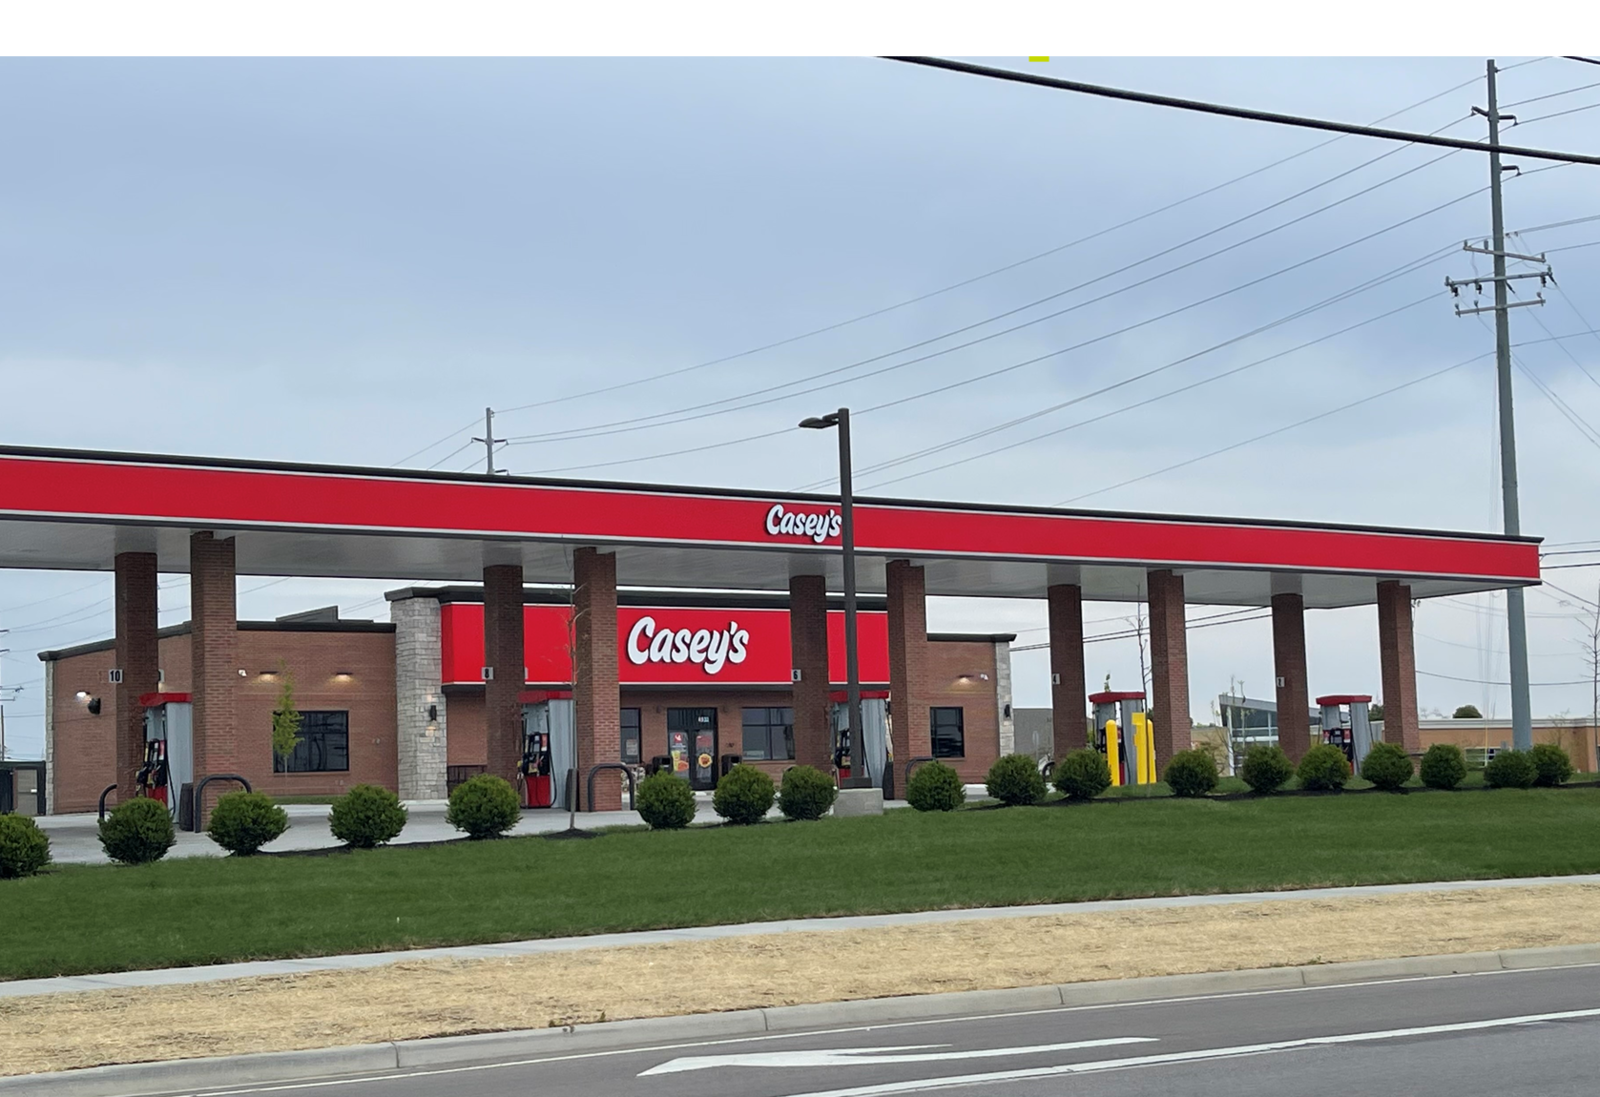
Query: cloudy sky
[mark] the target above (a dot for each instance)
(346, 261)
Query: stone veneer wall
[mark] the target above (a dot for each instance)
(423, 745)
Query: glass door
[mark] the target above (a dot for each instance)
(697, 729)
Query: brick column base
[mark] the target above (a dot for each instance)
(1169, 667)
(214, 674)
(808, 643)
(596, 701)
(1289, 663)
(138, 657)
(1398, 661)
(908, 665)
(1068, 692)
(503, 650)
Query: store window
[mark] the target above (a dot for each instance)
(630, 736)
(324, 745)
(949, 732)
(768, 734)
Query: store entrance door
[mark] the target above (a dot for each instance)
(696, 730)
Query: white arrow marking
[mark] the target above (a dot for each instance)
(873, 1056)
(926, 1085)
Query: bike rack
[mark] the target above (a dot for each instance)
(913, 764)
(108, 791)
(200, 791)
(609, 765)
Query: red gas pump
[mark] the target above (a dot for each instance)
(154, 776)
(841, 755)
(538, 791)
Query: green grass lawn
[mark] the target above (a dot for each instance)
(193, 911)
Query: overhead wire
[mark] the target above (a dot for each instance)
(695, 412)
(1280, 430)
(1550, 95)
(919, 298)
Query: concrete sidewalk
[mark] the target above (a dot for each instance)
(215, 972)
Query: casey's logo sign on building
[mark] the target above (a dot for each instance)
(707, 649)
(813, 525)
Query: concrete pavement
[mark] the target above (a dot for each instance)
(1405, 1026)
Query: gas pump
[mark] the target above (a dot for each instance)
(1345, 725)
(1126, 736)
(168, 748)
(874, 733)
(534, 769)
(549, 747)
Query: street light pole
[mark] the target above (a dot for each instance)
(859, 775)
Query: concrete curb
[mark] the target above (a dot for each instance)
(287, 1066)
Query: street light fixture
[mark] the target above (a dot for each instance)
(859, 777)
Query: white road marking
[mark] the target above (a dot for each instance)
(1137, 1003)
(1201, 1055)
(873, 1056)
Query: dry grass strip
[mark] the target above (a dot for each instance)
(446, 997)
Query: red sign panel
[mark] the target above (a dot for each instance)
(659, 646)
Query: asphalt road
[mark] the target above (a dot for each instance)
(1501, 1033)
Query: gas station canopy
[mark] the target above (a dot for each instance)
(62, 509)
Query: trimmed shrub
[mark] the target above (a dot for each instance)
(806, 793)
(1082, 775)
(243, 822)
(744, 795)
(1191, 773)
(1443, 766)
(1266, 769)
(1387, 765)
(1015, 780)
(137, 831)
(1552, 765)
(935, 787)
(1324, 768)
(665, 801)
(367, 816)
(1510, 769)
(24, 848)
(484, 806)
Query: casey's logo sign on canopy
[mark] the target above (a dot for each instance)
(813, 525)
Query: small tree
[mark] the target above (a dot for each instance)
(285, 718)
(1467, 712)
(1375, 711)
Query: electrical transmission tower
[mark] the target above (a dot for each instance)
(1516, 618)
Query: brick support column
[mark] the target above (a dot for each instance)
(1169, 666)
(503, 650)
(137, 657)
(1289, 664)
(1069, 717)
(1398, 661)
(908, 664)
(214, 663)
(808, 644)
(596, 700)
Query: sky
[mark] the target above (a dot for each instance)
(347, 260)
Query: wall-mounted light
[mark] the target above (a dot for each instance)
(433, 714)
(81, 696)
(341, 676)
(268, 675)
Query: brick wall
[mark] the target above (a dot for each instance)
(908, 664)
(1397, 661)
(83, 748)
(1068, 693)
(956, 673)
(1289, 664)
(468, 742)
(595, 691)
(808, 639)
(503, 650)
(135, 597)
(1169, 667)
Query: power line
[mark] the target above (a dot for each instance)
(1555, 224)
(767, 434)
(430, 445)
(1556, 114)
(1585, 60)
(1280, 430)
(1486, 682)
(966, 281)
(1551, 95)
(1153, 399)
(699, 411)
(1245, 113)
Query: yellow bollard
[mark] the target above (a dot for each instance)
(1113, 754)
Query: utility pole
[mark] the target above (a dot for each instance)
(1516, 617)
(489, 442)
